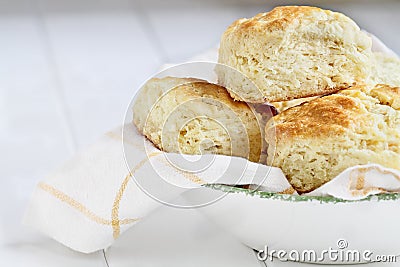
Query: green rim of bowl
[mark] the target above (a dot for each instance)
(297, 198)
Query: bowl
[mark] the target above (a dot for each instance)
(305, 228)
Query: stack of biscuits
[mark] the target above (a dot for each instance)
(338, 101)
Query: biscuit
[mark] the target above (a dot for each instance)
(315, 141)
(385, 70)
(192, 116)
(293, 52)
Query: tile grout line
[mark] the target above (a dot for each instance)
(143, 18)
(105, 257)
(54, 71)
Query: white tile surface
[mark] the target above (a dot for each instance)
(185, 31)
(46, 253)
(35, 137)
(178, 237)
(102, 59)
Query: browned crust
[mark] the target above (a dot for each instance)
(329, 116)
(210, 90)
(277, 19)
(325, 117)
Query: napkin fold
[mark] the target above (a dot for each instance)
(361, 181)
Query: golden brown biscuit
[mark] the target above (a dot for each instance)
(293, 52)
(315, 141)
(192, 116)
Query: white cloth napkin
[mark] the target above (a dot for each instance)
(94, 197)
(361, 181)
(99, 193)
